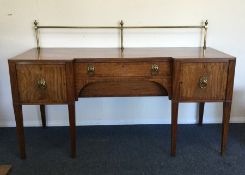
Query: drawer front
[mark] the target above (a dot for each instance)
(203, 81)
(41, 83)
(142, 69)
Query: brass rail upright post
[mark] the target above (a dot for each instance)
(205, 35)
(121, 34)
(36, 33)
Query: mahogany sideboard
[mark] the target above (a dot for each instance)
(63, 75)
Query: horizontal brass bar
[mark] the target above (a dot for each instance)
(162, 27)
(77, 27)
(118, 27)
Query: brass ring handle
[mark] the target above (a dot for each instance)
(203, 82)
(91, 69)
(41, 83)
(154, 69)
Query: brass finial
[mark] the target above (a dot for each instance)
(121, 23)
(206, 24)
(35, 24)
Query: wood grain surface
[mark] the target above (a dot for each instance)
(189, 79)
(55, 77)
(106, 54)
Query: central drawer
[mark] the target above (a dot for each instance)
(122, 69)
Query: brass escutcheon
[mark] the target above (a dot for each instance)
(203, 82)
(41, 83)
(154, 69)
(90, 69)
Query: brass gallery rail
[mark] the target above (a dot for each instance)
(204, 27)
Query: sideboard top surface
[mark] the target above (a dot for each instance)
(83, 54)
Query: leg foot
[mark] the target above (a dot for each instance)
(201, 111)
(225, 125)
(174, 121)
(71, 108)
(20, 130)
(43, 115)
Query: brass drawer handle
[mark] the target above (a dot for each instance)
(91, 69)
(203, 82)
(154, 69)
(41, 83)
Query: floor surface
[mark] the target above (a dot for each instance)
(125, 150)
